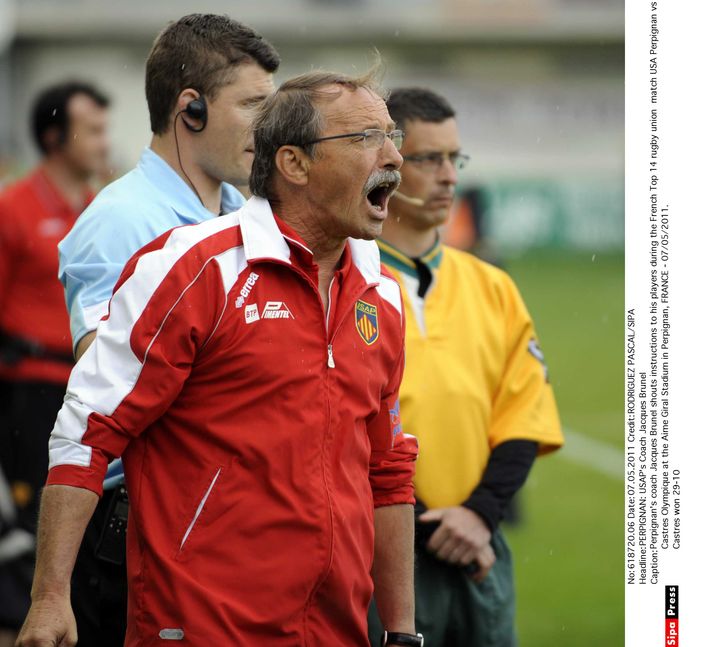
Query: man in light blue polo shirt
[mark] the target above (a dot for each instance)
(205, 76)
(126, 215)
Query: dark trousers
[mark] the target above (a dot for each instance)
(27, 416)
(99, 588)
(452, 610)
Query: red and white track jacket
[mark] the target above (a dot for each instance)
(256, 433)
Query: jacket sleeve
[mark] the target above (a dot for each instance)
(393, 453)
(165, 306)
(506, 472)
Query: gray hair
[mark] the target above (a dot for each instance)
(291, 116)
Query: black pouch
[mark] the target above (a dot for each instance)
(111, 546)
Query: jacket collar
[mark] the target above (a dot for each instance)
(262, 238)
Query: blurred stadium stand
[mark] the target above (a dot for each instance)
(538, 85)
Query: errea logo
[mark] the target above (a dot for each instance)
(246, 289)
(276, 310)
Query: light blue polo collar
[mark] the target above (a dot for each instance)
(181, 197)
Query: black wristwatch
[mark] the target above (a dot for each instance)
(394, 638)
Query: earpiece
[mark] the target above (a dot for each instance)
(417, 202)
(197, 109)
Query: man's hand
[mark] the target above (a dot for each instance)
(64, 513)
(461, 539)
(49, 623)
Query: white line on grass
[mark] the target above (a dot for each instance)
(594, 454)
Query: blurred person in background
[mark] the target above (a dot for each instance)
(6, 164)
(204, 78)
(69, 124)
(475, 392)
(248, 373)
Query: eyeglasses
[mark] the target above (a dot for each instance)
(433, 161)
(371, 138)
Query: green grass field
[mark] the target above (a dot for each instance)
(568, 547)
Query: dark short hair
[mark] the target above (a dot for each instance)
(50, 109)
(291, 116)
(199, 51)
(420, 104)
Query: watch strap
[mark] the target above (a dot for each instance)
(396, 638)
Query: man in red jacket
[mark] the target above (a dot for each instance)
(69, 123)
(248, 373)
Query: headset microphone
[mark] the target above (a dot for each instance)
(197, 109)
(417, 202)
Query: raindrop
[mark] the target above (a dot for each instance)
(593, 257)
(183, 66)
(54, 111)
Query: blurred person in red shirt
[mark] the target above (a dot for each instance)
(69, 124)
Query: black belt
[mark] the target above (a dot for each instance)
(14, 348)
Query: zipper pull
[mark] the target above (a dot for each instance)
(330, 357)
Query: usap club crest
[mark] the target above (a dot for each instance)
(366, 322)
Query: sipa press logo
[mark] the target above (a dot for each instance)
(671, 616)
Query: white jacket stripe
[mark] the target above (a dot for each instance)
(389, 290)
(109, 370)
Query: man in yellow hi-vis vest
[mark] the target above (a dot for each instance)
(475, 391)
